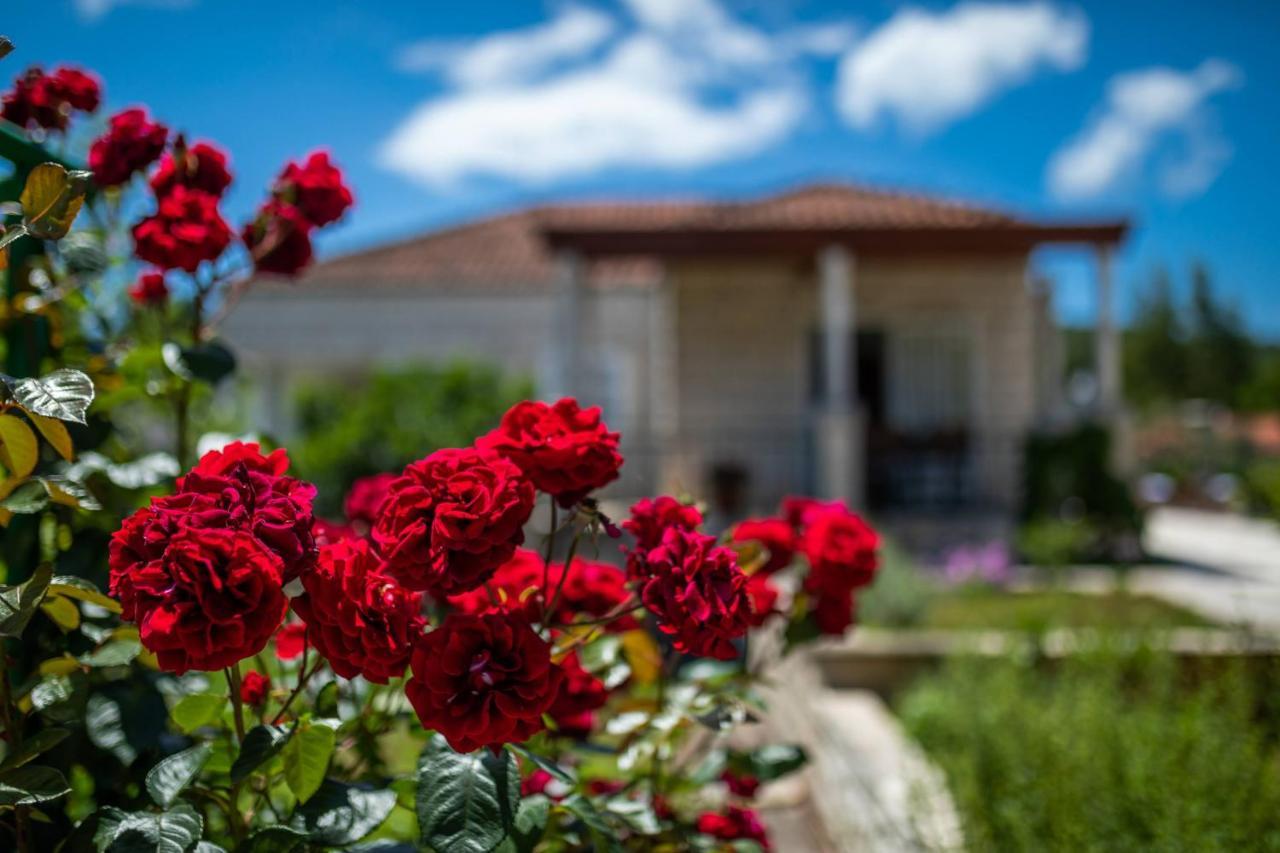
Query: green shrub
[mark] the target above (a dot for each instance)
(398, 415)
(901, 594)
(1107, 752)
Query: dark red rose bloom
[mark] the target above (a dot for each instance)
(279, 239)
(202, 166)
(291, 639)
(697, 593)
(604, 787)
(740, 784)
(650, 518)
(47, 100)
(132, 143)
(581, 695)
(328, 533)
(315, 188)
(483, 680)
(365, 497)
(451, 519)
(540, 782)
(798, 510)
(566, 451)
(841, 548)
(732, 824)
(205, 598)
(832, 608)
(239, 487)
(254, 688)
(764, 598)
(590, 590)
(150, 289)
(185, 231)
(775, 534)
(357, 616)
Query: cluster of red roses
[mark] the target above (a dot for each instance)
(204, 571)
(46, 101)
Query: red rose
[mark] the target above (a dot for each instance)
(740, 784)
(185, 230)
(565, 450)
(697, 593)
(315, 188)
(581, 694)
(483, 680)
(46, 100)
(775, 534)
(279, 239)
(202, 167)
(150, 290)
(328, 533)
(650, 518)
(132, 143)
(365, 497)
(254, 688)
(239, 487)
(841, 548)
(211, 598)
(357, 616)
(832, 608)
(732, 824)
(291, 639)
(764, 598)
(451, 519)
(798, 510)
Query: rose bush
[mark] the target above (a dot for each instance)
(444, 666)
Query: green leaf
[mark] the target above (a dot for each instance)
(51, 691)
(105, 726)
(465, 803)
(306, 758)
(339, 814)
(51, 199)
(172, 831)
(260, 745)
(196, 710)
(274, 839)
(602, 835)
(327, 700)
(29, 498)
(31, 747)
(71, 586)
(63, 394)
(545, 763)
(18, 603)
(531, 823)
(6, 47)
(168, 778)
(113, 653)
(63, 490)
(31, 784)
(775, 760)
(210, 362)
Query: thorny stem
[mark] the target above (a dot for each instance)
(303, 677)
(546, 562)
(233, 682)
(631, 605)
(564, 573)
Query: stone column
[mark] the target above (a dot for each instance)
(839, 432)
(1106, 340)
(666, 462)
(566, 326)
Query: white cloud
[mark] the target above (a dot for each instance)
(929, 69)
(1143, 108)
(685, 85)
(514, 55)
(92, 10)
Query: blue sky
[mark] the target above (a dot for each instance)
(1159, 110)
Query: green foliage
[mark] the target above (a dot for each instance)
(466, 803)
(1108, 752)
(350, 430)
(901, 594)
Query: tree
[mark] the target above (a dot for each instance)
(1155, 356)
(1221, 352)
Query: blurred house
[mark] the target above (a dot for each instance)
(890, 349)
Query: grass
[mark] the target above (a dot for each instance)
(984, 607)
(1104, 753)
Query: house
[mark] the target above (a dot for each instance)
(889, 349)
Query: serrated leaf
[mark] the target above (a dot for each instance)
(19, 450)
(274, 839)
(51, 692)
(172, 831)
(62, 611)
(168, 778)
(31, 784)
(531, 823)
(18, 603)
(54, 432)
(198, 709)
(306, 759)
(70, 586)
(33, 746)
(260, 745)
(465, 803)
(340, 814)
(51, 199)
(63, 394)
(104, 724)
(65, 491)
(29, 498)
(113, 653)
